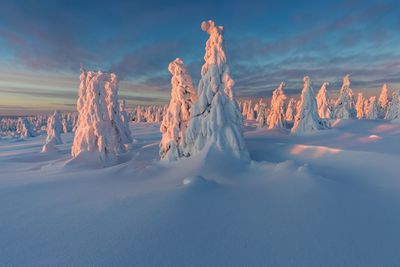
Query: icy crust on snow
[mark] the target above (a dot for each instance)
(100, 134)
(54, 131)
(177, 116)
(307, 119)
(215, 116)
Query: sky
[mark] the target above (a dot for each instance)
(44, 42)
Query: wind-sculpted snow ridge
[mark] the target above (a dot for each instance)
(177, 117)
(54, 131)
(344, 106)
(324, 109)
(276, 118)
(100, 135)
(215, 116)
(307, 119)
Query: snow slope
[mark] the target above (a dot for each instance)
(329, 199)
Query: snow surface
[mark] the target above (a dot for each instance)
(329, 199)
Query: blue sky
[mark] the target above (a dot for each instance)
(43, 43)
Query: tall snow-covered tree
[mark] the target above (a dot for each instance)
(393, 111)
(324, 108)
(177, 117)
(262, 115)
(383, 101)
(307, 119)
(99, 135)
(215, 117)
(24, 128)
(344, 106)
(125, 123)
(276, 118)
(360, 106)
(54, 131)
(372, 109)
(290, 110)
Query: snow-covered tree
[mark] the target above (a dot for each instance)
(393, 111)
(290, 110)
(100, 132)
(324, 108)
(383, 101)
(344, 106)
(125, 123)
(215, 117)
(276, 118)
(262, 115)
(24, 128)
(372, 109)
(307, 119)
(251, 113)
(360, 106)
(54, 131)
(177, 117)
(139, 116)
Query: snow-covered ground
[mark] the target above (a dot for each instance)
(328, 199)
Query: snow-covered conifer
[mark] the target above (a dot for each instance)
(372, 109)
(393, 111)
(216, 121)
(383, 101)
(290, 110)
(24, 128)
(177, 117)
(324, 108)
(100, 133)
(344, 106)
(54, 131)
(307, 119)
(276, 118)
(360, 106)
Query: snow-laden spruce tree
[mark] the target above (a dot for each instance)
(383, 101)
(307, 119)
(100, 135)
(262, 115)
(139, 114)
(24, 128)
(54, 131)
(216, 121)
(276, 118)
(177, 117)
(125, 123)
(251, 113)
(290, 110)
(344, 106)
(360, 106)
(373, 109)
(245, 108)
(393, 111)
(324, 108)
